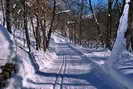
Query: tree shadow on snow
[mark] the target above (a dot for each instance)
(94, 78)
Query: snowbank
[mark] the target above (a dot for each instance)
(6, 45)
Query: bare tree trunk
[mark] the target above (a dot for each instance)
(8, 17)
(51, 26)
(80, 21)
(130, 25)
(109, 25)
(34, 33)
(3, 11)
(95, 18)
(25, 25)
(120, 43)
(37, 34)
(118, 48)
(43, 28)
(33, 28)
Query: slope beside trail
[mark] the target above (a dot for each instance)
(69, 68)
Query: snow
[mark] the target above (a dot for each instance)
(102, 54)
(79, 61)
(105, 54)
(67, 65)
(7, 49)
(120, 43)
(57, 39)
(118, 48)
(64, 11)
(6, 45)
(45, 59)
(127, 1)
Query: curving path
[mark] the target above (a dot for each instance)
(71, 70)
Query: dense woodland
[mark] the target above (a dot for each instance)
(79, 20)
(86, 24)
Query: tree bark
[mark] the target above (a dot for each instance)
(8, 17)
(3, 12)
(109, 25)
(80, 21)
(118, 48)
(95, 18)
(25, 25)
(51, 26)
(38, 37)
(131, 23)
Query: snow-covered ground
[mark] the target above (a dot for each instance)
(7, 47)
(64, 66)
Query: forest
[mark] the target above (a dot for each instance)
(66, 44)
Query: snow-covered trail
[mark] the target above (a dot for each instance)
(70, 70)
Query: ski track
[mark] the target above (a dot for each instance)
(71, 70)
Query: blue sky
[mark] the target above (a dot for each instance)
(87, 10)
(98, 1)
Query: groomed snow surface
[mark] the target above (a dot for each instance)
(7, 51)
(64, 66)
